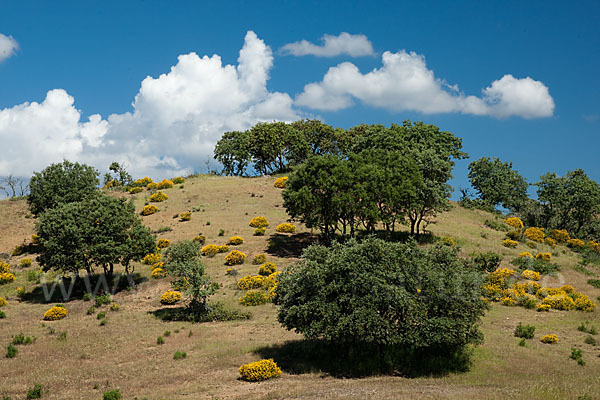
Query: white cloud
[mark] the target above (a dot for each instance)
(8, 47)
(176, 119)
(404, 83)
(344, 43)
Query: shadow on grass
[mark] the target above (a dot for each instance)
(217, 311)
(67, 288)
(285, 246)
(309, 356)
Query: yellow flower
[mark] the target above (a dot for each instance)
(535, 234)
(286, 228)
(259, 370)
(549, 339)
(514, 222)
(55, 313)
(235, 257)
(280, 182)
(170, 297)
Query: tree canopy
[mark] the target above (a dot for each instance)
(497, 183)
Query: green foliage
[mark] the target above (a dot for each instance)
(2, 314)
(36, 392)
(101, 315)
(179, 355)
(119, 175)
(535, 264)
(498, 226)
(65, 182)
(232, 151)
(114, 394)
(160, 340)
(590, 340)
(21, 339)
(522, 343)
(497, 183)
(487, 262)
(11, 351)
(576, 354)
(524, 331)
(594, 282)
(103, 299)
(384, 294)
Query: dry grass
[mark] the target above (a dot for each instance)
(124, 353)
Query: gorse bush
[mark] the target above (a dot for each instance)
(163, 243)
(487, 262)
(535, 234)
(254, 298)
(525, 254)
(251, 282)
(267, 269)
(259, 232)
(201, 239)
(235, 258)
(55, 313)
(178, 180)
(135, 190)
(165, 184)
(170, 297)
(158, 197)
(210, 250)
(286, 228)
(530, 275)
(149, 209)
(152, 186)
(560, 235)
(280, 182)
(236, 240)
(259, 371)
(223, 248)
(24, 263)
(259, 222)
(185, 216)
(514, 222)
(6, 277)
(4, 267)
(544, 256)
(158, 273)
(259, 259)
(576, 244)
(549, 339)
(152, 258)
(509, 243)
(3, 302)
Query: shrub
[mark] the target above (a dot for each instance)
(199, 239)
(178, 180)
(280, 182)
(179, 355)
(115, 307)
(513, 235)
(559, 302)
(163, 243)
(223, 248)
(535, 234)
(2, 315)
(21, 339)
(101, 315)
(514, 222)
(6, 277)
(35, 392)
(560, 235)
(549, 339)
(185, 216)
(235, 258)
(496, 225)
(158, 197)
(544, 256)
(236, 240)
(531, 275)
(259, 222)
(550, 241)
(487, 262)
(135, 190)
(509, 243)
(576, 244)
(24, 263)
(114, 394)
(165, 184)
(170, 297)
(576, 354)
(158, 273)
(590, 340)
(3, 302)
(152, 186)
(152, 258)
(286, 228)
(259, 232)
(160, 340)
(149, 209)
(55, 313)
(525, 254)
(524, 331)
(251, 282)
(259, 371)
(210, 250)
(4, 267)
(267, 269)
(259, 259)
(594, 282)
(583, 303)
(536, 264)
(11, 351)
(528, 301)
(91, 310)
(594, 246)
(103, 299)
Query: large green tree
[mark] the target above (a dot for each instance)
(269, 145)
(64, 182)
(497, 183)
(233, 152)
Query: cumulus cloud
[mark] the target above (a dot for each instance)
(8, 47)
(175, 122)
(344, 43)
(404, 83)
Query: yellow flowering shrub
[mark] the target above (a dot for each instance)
(583, 303)
(254, 298)
(543, 307)
(235, 258)
(259, 222)
(178, 180)
(55, 313)
(514, 222)
(260, 232)
(26, 262)
(280, 182)
(544, 256)
(525, 254)
(151, 258)
(559, 302)
(550, 241)
(251, 282)
(499, 276)
(594, 246)
(6, 277)
(532, 287)
(236, 240)
(272, 280)
(35, 239)
(549, 339)
(149, 209)
(3, 302)
(448, 241)
(158, 273)
(210, 250)
(535, 234)
(223, 248)
(20, 292)
(560, 235)
(259, 259)
(143, 181)
(568, 289)
(199, 239)
(4, 267)
(576, 243)
(163, 243)
(286, 228)
(492, 292)
(267, 269)
(260, 370)
(511, 244)
(152, 186)
(135, 190)
(508, 301)
(530, 275)
(165, 184)
(170, 297)
(185, 216)
(158, 197)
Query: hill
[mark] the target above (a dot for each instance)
(78, 358)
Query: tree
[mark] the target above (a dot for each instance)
(119, 177)
(64, 182)
(13, 186)
(497, 183)
(99, 231)
(269, 145)
(316, 138)
(188, 272)
(382, 294)
(233, 152)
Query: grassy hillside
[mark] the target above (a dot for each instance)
(77, 358)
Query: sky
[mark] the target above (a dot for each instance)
(154, 84)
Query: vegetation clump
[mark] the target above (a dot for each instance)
(236, 240)
(170, 297)
(259, 222)
(235, 257)
(280, 182)
(55, 313)
(286, 228)
(158, 197)
(515, 222)
(254, 298)
(259, 371)
(210, 250)
(149, 210)
(549, 339)
(267, 269)
(524, 331)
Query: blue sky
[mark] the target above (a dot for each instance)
(98, 53)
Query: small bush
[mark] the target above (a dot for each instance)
(259, 222)
(11, 351)
(448, 241)
(178, 180)
(544, 256)
(185, 216)
(179, 355)
(158, 197)
(496, 225)
(210, 250)
(199, 239)
(21, 339)
(511, 244)
(550, 242)
(223, 248)
(26, 262)
(267, 269)
(590, 340)
(576, 244)
(514, 222)
(487, 262)
(55, 313)
(251, 282)
(104, 322)
(2, 314)
(594, 282)
(165, 184)
(170, 297)
(260, 232)
(522, 343)
(159, 273)
(4, 267)
(115, 307)
(537, 265)
(524, 331)
(513, 235)
(535, 234)
(91, 310)
(254, 298)
(136, 190)
(259, 259)
(35, 392)
(6, 277)
(259, 371)
(102, 300)
(114, 394)
(149, 209)
(280, 182)
(3, 302)
(163, 243)
(559, 235)
(549, 339)
(576, 354)
(101, 315)
(221, 231)
(286, 228)
(236, 240)
(160, 340)
(530, 275)
(525, 254)
(235, 258)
